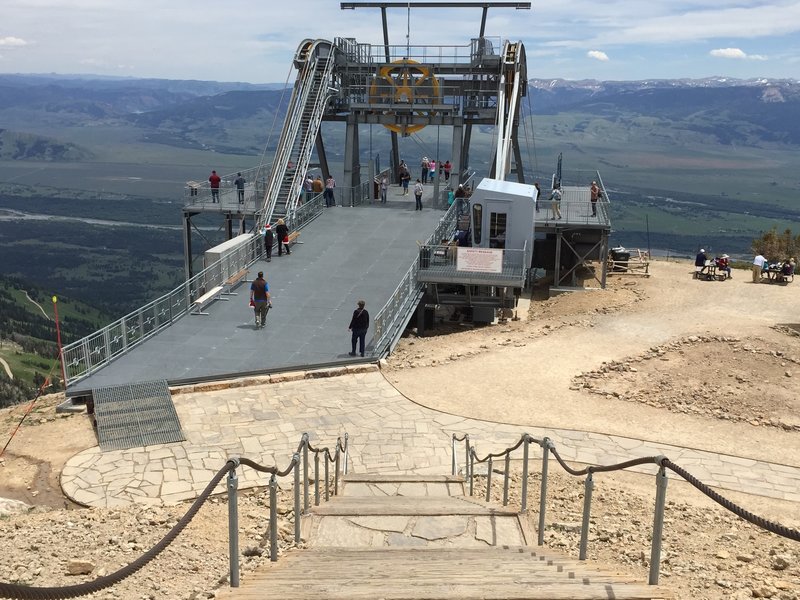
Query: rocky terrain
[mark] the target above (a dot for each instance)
(744, 377)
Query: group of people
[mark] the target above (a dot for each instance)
(428, 170)
(311, 187)
(778, 271)
(722, 264)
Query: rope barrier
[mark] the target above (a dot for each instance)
(22, 592)
(776, 528)
(8, 590)
(660, 461)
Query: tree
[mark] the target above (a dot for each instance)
(776, 246)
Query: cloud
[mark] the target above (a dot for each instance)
(11, 41)
(735, 53)
(597, 55)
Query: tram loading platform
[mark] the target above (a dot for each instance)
(347, 253)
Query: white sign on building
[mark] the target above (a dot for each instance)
(479, 260)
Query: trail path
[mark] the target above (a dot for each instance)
(39, 306)
(7, 368)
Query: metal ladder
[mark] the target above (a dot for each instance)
(315, 61)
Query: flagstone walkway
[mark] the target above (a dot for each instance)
(387, 433)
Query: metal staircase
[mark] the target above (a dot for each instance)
(314, 60)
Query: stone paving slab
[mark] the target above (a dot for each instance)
(265, 423)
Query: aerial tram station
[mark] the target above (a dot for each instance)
(474, 249)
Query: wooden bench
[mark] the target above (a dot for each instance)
(212, 294)
(234, 280)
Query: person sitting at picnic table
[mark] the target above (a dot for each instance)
(787, 271)
(700, 262)
(724, 264)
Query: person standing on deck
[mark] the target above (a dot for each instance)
(282, 231)
(447, 168)
(538, 193)
(213, 181)
(259, 299)
(425, 166)
(269, 239)
(239, 183)
(418, 190)
(594, 195)
(384, 188)
(432, 172)
(359, 325)
(555, 202)
(405, 177)
(330, 200)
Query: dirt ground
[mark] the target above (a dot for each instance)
(708, 365)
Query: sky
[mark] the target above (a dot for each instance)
(254, 41)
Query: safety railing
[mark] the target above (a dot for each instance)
(548, 447)
(440, 262)
(83, 357)
(198, 193)
(405, 296)
(375, 54)
(572, 210)
(389, 318)
(338, 458)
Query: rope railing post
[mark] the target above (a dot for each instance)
(588, 487)
(327, 476)
(316, 478)
(336, 473)
(658, 525)
(296, 459)
(489, 480)
(525, 445)
(453, 467)
(305, 473)
(543, 490)
(505, 478)
(233, 523)
(346, 450)
(467, 466)
(273, 518)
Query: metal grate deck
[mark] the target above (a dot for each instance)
(132, 415)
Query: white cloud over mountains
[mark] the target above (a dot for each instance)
(736, 53)
(597, 55)
(10, 41)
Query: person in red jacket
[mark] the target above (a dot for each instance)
(214, 180)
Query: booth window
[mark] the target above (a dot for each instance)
(497, 230)
(477, 223)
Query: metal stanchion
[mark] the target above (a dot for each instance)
(233, 524)
(525, 445)
(305, 473)
(327, 477)
(587, 509)
(658, 525)
(489, 480)
(336, 474)
(316, 478)
(471, 472)
(273, 519)
(505, 478)
(543, 490)
(296, 459)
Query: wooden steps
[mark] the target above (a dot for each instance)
(428, 545)
(429, 506)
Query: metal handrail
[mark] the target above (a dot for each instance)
(84, 356)
(546, 444)
(387, 321)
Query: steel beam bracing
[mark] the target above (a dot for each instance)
(312, 90)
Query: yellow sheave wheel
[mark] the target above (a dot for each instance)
(405, 81)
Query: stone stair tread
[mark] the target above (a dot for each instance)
(407, 505)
